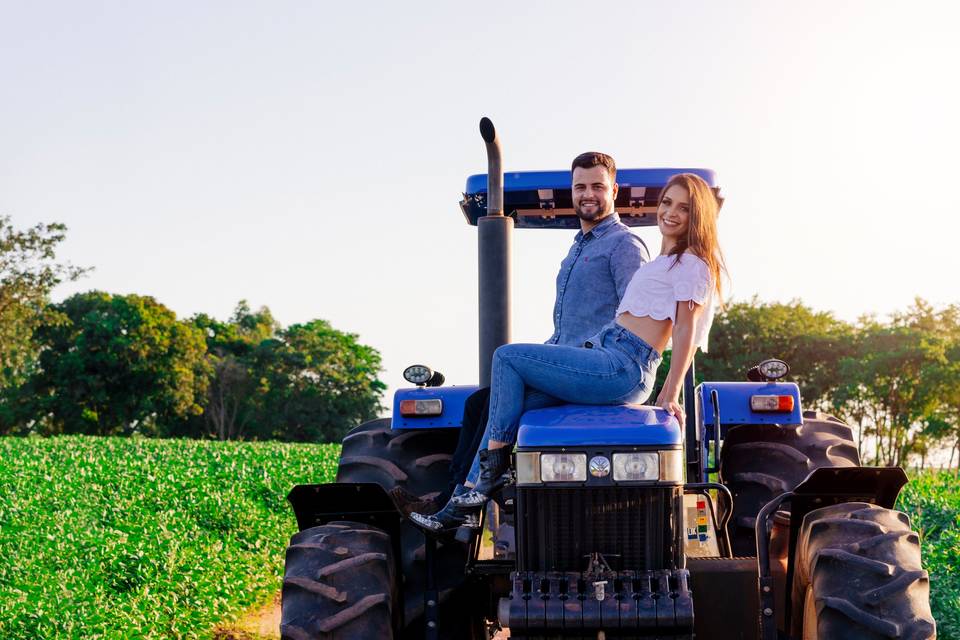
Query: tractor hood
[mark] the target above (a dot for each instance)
(587, 425)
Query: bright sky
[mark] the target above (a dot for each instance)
(310, 156)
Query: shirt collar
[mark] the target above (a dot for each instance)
(608, 223)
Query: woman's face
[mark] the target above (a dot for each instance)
(673, 214)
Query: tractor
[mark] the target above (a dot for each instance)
(752, 520)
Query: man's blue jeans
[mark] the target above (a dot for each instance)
(613, 367)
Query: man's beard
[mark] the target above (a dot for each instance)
(590, 217)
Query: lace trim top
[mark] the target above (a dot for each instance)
(658, 285)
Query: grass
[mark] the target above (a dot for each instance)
(932, 500)
(133, 538)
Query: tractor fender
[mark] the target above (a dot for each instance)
(824, 487)
(366, 502)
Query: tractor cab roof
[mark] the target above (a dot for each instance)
(543, 199)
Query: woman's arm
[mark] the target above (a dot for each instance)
(689, 315)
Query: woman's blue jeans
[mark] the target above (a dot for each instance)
(613, 367)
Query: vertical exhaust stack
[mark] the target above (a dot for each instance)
(493, 238)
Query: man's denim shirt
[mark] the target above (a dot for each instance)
(592, 280)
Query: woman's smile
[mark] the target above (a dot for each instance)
(673, 214)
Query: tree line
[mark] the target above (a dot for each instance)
(895, 381)
(104, 364)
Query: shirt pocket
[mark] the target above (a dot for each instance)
(592, 271)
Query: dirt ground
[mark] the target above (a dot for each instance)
(259, 623)
(263, 623)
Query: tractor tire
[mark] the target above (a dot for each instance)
(760, 462)
(339, 583)
(419, 462)
(858, 576)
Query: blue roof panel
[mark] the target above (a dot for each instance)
(543, 199)
(532, 180)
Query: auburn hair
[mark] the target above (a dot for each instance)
(701, 239)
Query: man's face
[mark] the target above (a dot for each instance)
(593, 193)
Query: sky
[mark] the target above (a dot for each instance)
(310, 156)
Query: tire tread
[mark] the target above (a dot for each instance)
(339, 583)
(760, 462)
(860, 566)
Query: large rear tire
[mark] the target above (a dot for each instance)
(760, 462)
(418, 461)
(339, 583)
(858, 576)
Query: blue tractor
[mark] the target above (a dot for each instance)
(611, 526)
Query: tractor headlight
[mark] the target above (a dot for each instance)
(528, 467)
(773, 369)
(563, 467)
(635, 467)
(671, 465)
(534, 467)
(417, 374)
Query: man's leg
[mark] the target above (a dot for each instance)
(474, 422)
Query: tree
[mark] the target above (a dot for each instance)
(28, 272)
(308, 382)
(233, 384)
(745, 333)
(114, 365)
(317, 383)
(891, 385)
(943, 423)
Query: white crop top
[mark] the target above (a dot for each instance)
(658, 285)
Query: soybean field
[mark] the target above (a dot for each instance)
(137, 538)
(932, 500)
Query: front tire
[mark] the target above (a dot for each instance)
(339, 583)
(859, 576)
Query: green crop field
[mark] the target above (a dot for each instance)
(932, 500)
(133, 538)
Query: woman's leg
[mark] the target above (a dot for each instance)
(571, 374)
(533, 399)
(567, 374)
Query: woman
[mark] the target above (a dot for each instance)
(670, 298)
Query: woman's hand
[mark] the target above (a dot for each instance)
(672, 407)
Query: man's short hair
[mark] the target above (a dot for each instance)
(592, 159)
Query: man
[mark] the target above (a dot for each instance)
(591, 281)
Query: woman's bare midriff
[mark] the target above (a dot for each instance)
(656, 333)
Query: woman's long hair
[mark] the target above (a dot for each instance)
(701, 237)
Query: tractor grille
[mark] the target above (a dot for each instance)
(633, 527)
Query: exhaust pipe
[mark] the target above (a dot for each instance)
(493, 243)
(494, 168)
